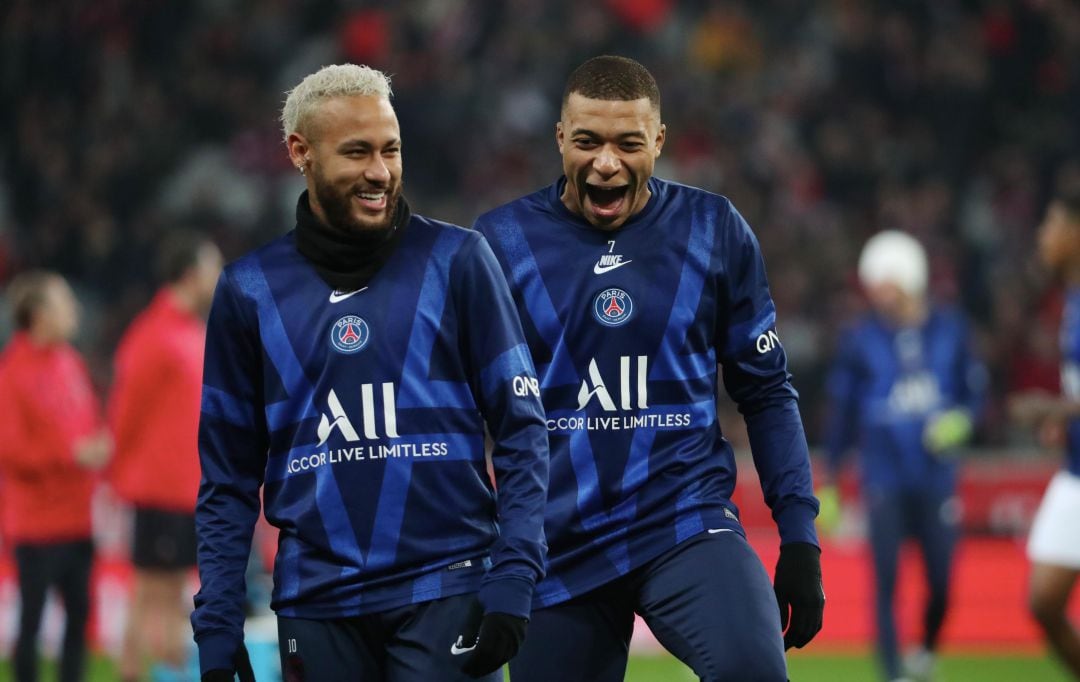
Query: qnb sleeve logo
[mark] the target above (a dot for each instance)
(769, 341)
(350, 334)
(524, 386)
(613, 307)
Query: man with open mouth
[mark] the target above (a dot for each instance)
(631, 290)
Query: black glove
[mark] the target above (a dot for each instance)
(488, 641)
(241, 669)
(798, 586)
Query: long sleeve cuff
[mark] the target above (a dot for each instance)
(796, 523)
(509, 595)
(216, 650)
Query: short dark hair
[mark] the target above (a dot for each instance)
(609, 77)
(27, 294)
(177, 253)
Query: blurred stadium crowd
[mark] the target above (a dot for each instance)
(823, 121)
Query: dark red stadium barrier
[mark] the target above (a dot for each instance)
(989, 581)
(998, 496)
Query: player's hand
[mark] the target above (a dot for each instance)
(945, 431)
(94, 452)
(799, 593)
(828, 517)
(241, 669)
(488, 641)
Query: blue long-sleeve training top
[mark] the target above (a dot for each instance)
(361, 414)
(886, 383)
(627, 329)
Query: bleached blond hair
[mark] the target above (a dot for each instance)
(336, 80)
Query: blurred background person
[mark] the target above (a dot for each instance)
(905, 390)
(1054, 543)
(51, 444)
(154, 415)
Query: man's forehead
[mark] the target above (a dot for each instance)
(338, 115)
(609, 113)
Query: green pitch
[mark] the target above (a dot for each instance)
(861, 668)
(804, 668)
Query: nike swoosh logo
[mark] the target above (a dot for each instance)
(601, 269)
(339, 296)
(456, 649)
(714, 531)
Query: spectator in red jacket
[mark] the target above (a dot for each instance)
(51, 443)
(154, 414)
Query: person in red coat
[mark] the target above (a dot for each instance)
(154, 415)
(51, 444)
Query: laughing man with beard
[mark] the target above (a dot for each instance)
(350, 368)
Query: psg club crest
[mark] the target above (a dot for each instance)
(612, 307)
(349, 334)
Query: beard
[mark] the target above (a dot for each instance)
(337, 205)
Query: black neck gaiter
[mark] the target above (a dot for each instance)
(347, 260)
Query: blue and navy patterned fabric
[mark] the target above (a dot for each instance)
(627, 329)
(362, 417)
(886, 383)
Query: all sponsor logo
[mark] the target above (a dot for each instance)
(350, 334)
(340, 421)
(613, 307)
(633, 387)
(361, 434)
(623, 404)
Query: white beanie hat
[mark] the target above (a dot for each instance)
(897, 257)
